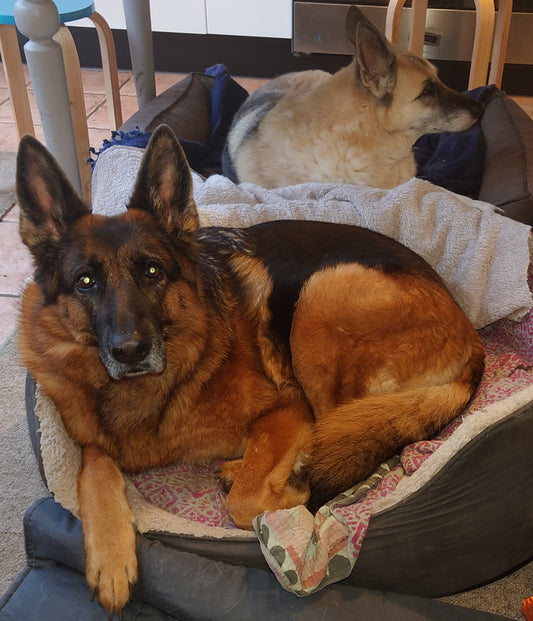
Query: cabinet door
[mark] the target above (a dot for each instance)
(254, 18)
(186, 16)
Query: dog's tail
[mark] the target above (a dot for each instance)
(353, 439)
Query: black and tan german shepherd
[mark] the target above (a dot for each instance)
(304, 353)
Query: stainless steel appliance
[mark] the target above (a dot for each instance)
(318, 27)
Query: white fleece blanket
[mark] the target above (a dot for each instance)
(482, 256)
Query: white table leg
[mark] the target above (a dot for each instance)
(39, 21)
(138, 25)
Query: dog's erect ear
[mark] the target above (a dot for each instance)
(374, 58)
(164, 184)
(353, 18)
(48, 203)
(48, 206)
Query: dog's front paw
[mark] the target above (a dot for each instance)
(108, 530)
(227, 473)
(111, 571)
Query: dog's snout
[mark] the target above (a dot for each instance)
(129, 347)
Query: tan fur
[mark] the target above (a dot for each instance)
(377, 357)
(400, 346)
(344, 129)
(305, 138)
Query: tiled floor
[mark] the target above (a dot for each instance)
(15, 263)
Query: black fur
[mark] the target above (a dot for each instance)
(293, 250)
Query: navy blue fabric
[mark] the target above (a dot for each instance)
(455, 161)
(226, 98)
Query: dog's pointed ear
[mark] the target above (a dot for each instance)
(48, 206)
(353, 18)
(375, 59)
(48, 203)
(164, 185)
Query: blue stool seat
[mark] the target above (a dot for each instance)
(69, 10)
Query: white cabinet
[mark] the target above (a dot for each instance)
(252, 18)
(176, 16)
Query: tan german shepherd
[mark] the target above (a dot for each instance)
(304, 353)
(356, 126)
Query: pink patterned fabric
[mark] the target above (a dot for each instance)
(193, 492)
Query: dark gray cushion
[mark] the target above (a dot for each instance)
(508, 176)
(186, 107)
(179, 585)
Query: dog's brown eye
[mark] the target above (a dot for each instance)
(429, 89)
(85, 282)
(153, 271)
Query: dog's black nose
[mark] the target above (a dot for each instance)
(129, 347)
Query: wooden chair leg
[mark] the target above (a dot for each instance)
(417, 30)
(77, 106)
(9, 49)
(392, 24)
(499, 45)
(417, 27)
(109, 65)
(482, 43)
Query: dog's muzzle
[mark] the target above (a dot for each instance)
(129, 354)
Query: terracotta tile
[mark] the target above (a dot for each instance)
(92, 101)
(4, 94)
(15, 260)
(166, 80)
(128, 88)
(9, 313)
(93, 80)
(6, 111)
(9, 140)
(97, 137)
(99, 119)
(163, 81)
(526, 103)
(251, 84)
(12, 215)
